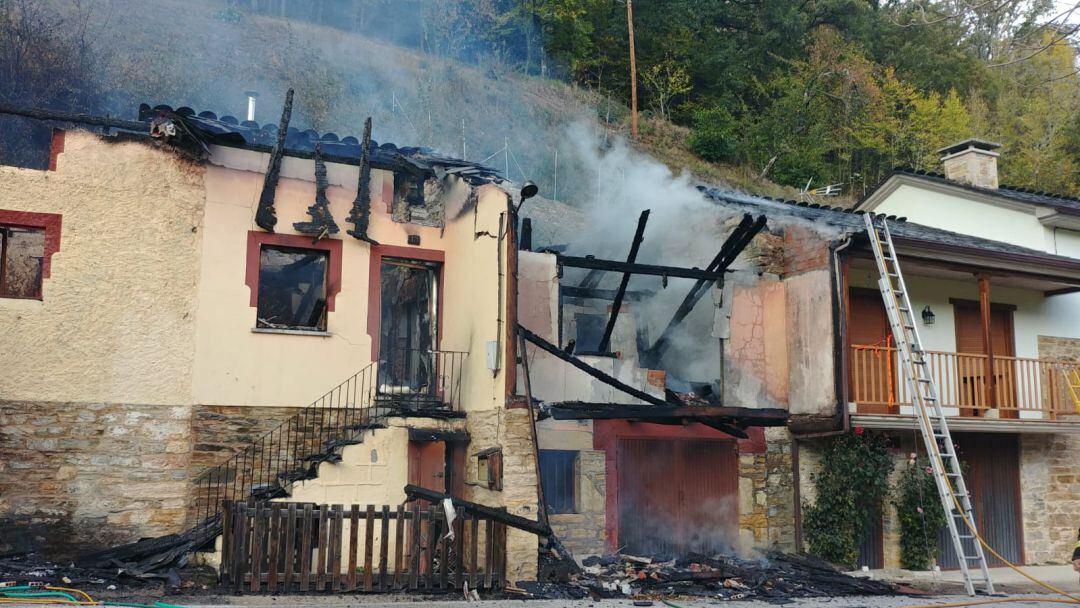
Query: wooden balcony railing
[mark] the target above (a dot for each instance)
(1025, 388)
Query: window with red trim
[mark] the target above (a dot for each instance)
(22, 261)
(292, 288)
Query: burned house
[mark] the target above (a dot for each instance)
(200, 310)
(798, 325)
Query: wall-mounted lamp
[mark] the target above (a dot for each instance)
(928, 316)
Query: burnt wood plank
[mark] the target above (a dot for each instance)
(675, 272)
(305, 550)
(273, 548)
(290, 552)
(399, 538)
(226, 542)
(414, 549)
(258, 535)
(464, 506)
(384, 546)
(320, 539)
(616, 305)
(489, 552)
(748, 416)
(474, 545)
(588, 369)
(459, 549)
(432, 547)
(444, 555)
(369, 533)
(336, 540)
(354, 536)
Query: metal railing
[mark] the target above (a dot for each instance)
(414, 379)
(1023, 387)
(293, 450)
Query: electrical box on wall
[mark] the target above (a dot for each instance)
(493, 355)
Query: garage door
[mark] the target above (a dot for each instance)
(992, 473)
(677, 496)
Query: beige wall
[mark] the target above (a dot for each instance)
(236, 366)
(116, 322)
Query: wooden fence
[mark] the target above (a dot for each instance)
(299, 548)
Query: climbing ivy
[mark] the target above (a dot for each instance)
(851, 485)
(920, 513)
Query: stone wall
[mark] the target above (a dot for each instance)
(81, 476)
(1049, 495)
(584, 532)
(766, 499)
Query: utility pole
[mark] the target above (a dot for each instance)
(633, 70)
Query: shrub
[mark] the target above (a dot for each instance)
(920, 513)
(851, 486)
(713, 135)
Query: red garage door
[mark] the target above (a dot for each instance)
(677, 496)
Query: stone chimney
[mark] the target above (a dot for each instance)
(972, 162)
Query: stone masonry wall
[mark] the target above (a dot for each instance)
(584, 532)
(1049, 495)
(766, 499)
(81, 476)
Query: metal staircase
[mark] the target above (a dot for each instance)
(933, 423)
(292, 451)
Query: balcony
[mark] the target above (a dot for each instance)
(420, 380)
(1024, 389)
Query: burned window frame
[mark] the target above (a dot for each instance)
(561, 458)
(327, 256)
(5, 229)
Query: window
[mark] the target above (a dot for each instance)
(292, 288)
(489, 468)
(22, 256)
(558, 475)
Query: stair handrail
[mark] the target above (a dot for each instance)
(249, 465)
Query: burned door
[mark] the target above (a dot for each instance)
(427, 469)
(872, 364)
(677, 496)
(992, 472)
(408, 332)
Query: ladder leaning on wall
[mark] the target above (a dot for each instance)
(933, 424)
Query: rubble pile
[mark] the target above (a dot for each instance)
(773, 576)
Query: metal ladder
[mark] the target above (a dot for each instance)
(948, 475)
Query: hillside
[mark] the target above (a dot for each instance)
(199, 54)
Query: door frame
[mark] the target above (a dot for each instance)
(959, 304)
(374, 311)
(868, 293)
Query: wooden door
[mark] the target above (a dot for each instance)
(427, 469)
(872, 369)
(992, 473)
(971, 370)
(677, 496)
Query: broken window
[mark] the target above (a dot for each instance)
(22, 253)
(489, 468)
(558, 474)
(292, 288)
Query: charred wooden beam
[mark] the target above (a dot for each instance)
(616, 305)
(739, 238)
(360, 214)
(525, 238)
(743, 416)
(588, 369)
(322, 222)
(74, 118)
(514, 521)
(265, 217)
(605, 294)
(438, 435)
(591, 280)
(674, 272)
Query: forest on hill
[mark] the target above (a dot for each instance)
(813, 92)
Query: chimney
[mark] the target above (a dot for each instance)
(251, 95)
(972, 161)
